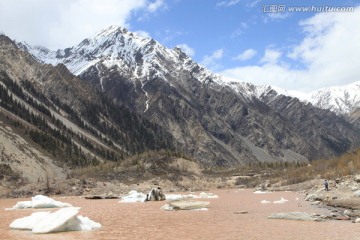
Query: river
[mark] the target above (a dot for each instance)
(146, 220)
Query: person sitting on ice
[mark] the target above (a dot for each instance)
(155, 194)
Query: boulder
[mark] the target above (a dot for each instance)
(155, 194)
(343, 217)
(357, 178)
(337, 180)
(357, 193)
(314, 197)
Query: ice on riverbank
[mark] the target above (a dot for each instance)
(39, 201)
(62, 220)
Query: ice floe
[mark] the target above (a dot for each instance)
(261, 192)
(39, 201)
(135, 196)
(63, 220)
(282, 200)
(185, 205)
(202, 195)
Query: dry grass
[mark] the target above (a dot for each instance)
(145, 165)
(286, 173)
(165, 164)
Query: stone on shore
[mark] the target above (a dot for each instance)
(300, 216)
(314, 197)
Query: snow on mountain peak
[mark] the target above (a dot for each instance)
(341, 100)
(132, 53)
(144, 58)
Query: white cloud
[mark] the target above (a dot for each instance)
(227, 3)
(143, 34)
(246, 55)
(58, 24)
(210, 61)
(153, 7)
(253, 3)
(271, 56)
(186, 49)
(278, 16)
(329, 52)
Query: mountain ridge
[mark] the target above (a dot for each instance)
(342, 100)
(166, 86)
(172, 103)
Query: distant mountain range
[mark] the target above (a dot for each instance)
(117, 94)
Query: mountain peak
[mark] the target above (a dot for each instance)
(110, 30)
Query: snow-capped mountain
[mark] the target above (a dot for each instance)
(214, 121)
(143, 58)
(341, 100)
(116, 46)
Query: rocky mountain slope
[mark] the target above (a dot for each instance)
(51, 121)
(214, 122)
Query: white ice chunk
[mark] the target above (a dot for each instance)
(282, 200)
(133, 196)
(185, 205)
(29, 222)
(265, 202)
(173, 197)
(207, 195)
(39, 201)
(261, 192)
(86, 224)
(62, 220)
(59, 221)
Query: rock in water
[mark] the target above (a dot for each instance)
(155, 194)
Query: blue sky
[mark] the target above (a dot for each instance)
(240, 39)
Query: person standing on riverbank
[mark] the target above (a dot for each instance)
(326, 184)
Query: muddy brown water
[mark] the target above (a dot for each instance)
(146, 220)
